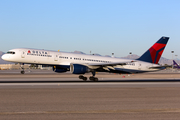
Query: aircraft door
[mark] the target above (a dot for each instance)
(56, 57)
(23, 54)
(139, 67)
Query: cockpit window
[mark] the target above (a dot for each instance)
(10, 52)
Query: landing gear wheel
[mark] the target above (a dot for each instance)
(81, 77)
(22, 72)
(84, 78)
(93, 79)
(22, 68)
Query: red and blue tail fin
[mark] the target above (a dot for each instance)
(154, 53)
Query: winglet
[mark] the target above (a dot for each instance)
(154, 53)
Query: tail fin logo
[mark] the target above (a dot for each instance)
(156, 51)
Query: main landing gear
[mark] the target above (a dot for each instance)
(82, 77)
(91, 78)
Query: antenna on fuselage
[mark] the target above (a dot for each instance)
(112, 55)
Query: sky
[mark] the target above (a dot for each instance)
(99, 26)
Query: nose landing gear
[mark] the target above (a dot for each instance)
(22, 69)
(22, 72)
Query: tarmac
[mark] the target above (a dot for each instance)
(42, 94)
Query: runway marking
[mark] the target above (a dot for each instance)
(94, 111)
(88, 83)
(66, 78)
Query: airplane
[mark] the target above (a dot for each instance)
(175, 65)
(83, 63)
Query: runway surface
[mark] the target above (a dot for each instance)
(52, 96)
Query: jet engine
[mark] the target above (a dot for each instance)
(78, 69)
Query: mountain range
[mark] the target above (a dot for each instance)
(162, 61)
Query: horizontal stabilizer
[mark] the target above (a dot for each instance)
(160, 67)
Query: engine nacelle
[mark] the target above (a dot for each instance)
(59, 70)
(78, 69)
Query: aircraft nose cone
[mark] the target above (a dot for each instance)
(5, 57)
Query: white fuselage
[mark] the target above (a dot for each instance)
(55, 58)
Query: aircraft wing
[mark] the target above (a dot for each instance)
(106, 66)
(109, 64)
